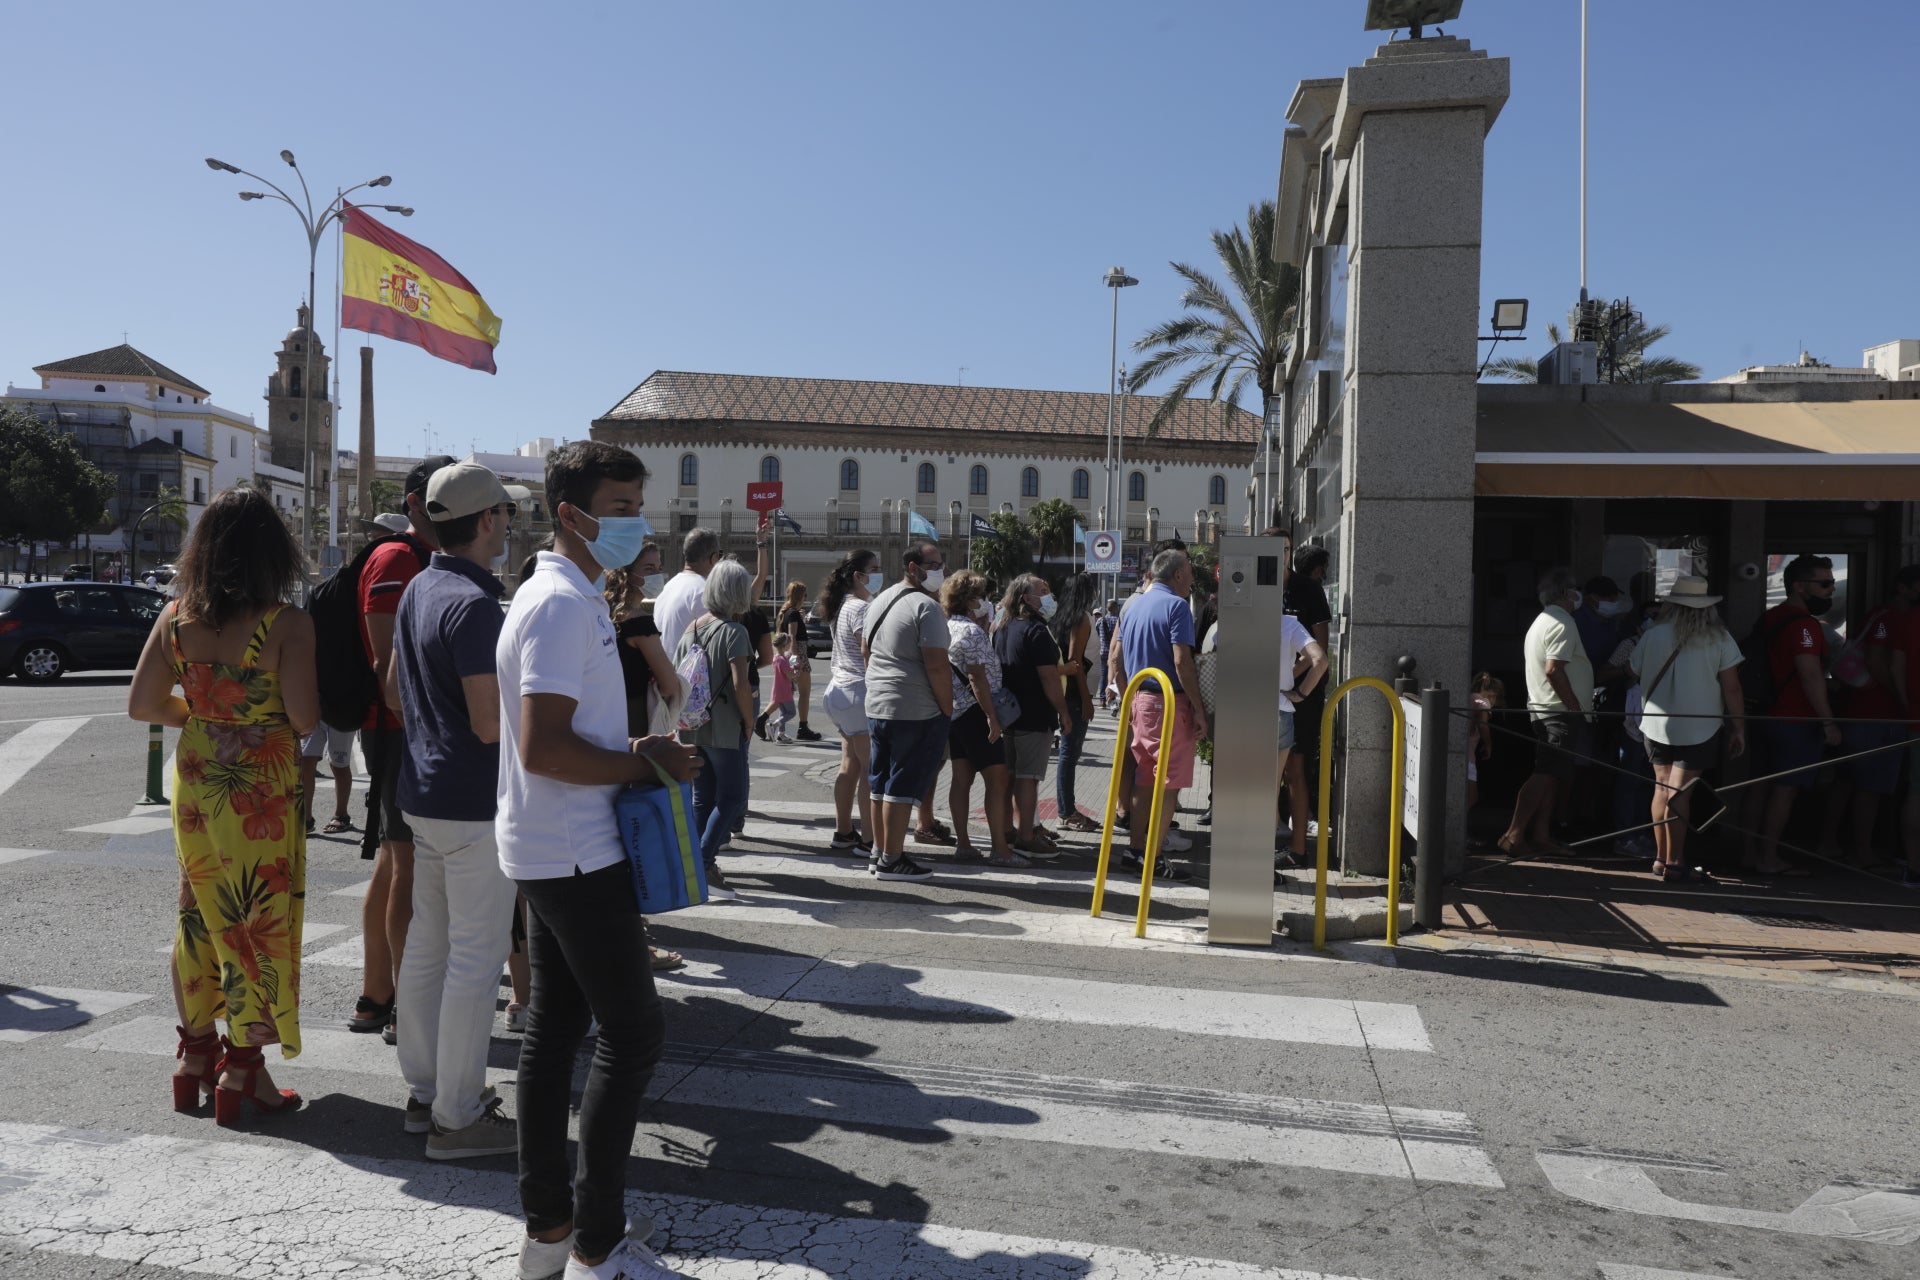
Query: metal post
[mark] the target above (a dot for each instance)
(156, 758)
(1430, 859)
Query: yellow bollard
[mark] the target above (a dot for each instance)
(1159, 794)
(1397, 800)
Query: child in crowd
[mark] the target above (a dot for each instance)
(1487, 693)
(783, 713)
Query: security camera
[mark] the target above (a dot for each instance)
(1749, 572)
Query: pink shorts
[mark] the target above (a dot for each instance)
(1148, 710)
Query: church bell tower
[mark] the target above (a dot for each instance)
(301, 357)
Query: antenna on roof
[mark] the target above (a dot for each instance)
(961, 379)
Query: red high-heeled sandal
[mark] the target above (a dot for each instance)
(189, 1085)
(226, 1102)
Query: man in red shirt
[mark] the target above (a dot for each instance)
(1904, 669)
(1804, 725)
(389, 905)
(1870, 703)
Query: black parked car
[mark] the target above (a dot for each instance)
(819, 639)
(48, 628)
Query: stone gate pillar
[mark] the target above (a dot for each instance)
(1412, 125)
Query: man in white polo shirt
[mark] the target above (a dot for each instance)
(564, 755)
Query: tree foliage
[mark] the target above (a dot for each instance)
(1051, 522)
(48, 491)
(1230, 336)
(1008, 556)
(1633, 365)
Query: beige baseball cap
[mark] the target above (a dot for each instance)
(464, 489)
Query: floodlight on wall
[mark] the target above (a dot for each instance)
(1509, 317)
(1392, 15)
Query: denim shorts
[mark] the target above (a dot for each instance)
(1286, 730)
(907, 755)
(1565, 744)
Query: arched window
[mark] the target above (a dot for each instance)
(977, 481)
(849, 475)
(689, 471)
(99, 387)
(769, 469)
(1030, 482)
(1217, 491)
(1082, 486)
(1137, 487)
(926, 477)
(293, 381)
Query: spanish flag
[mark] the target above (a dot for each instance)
(393, 286)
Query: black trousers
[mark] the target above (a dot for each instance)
(587, 955)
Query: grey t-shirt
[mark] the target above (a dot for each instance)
(897, 684)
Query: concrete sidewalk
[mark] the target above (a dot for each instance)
(1611, 908)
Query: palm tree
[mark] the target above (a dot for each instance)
(1631, 362)
(1231, 336)
(1051, 522)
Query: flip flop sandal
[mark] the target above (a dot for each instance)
(666, 961)
(337, 825)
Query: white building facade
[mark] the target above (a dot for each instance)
(1897, 361)
(152, 429)
(855, 458)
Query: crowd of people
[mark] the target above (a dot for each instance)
(1632, 702)
(497, 733)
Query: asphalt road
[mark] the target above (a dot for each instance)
(967, 1078)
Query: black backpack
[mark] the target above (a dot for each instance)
(1758, 688)
(348, 689)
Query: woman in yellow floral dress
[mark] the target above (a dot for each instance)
(245, 662)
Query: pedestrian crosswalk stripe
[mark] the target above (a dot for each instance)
(1432, 1146)
(918, 915)
(311, 932)
(146, 823)
(812, 759)
(1342, 1137)
(127, 1196)
(21, 855)
(358, 889)
(30, 1012)
(27, 748)
(995, 996)
(814, 861)
(1621, 1271)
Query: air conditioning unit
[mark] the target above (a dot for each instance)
(1571, 364)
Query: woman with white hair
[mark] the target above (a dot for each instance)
(1689, 673)
(720, 788)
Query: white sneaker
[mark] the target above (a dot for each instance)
(516, 1018)
(1174, 842)
(542, 1261)
(630, 1260)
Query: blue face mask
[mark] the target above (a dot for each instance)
(619, 543)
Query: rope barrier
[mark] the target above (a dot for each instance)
(1700, 787)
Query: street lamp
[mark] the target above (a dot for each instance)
(315, 227)
(1116, 279)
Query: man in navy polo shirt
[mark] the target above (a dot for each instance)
(443, 673)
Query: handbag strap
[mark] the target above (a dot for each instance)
(1665, 667)
(682, 831)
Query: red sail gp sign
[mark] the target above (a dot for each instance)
(765, 496)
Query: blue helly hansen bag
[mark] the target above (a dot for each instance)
(656, 826)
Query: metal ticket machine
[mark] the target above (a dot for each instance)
(1246, 745)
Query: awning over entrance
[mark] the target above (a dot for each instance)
(1857, 449)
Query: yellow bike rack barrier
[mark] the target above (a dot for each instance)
(1398, 802)
(1167, 721)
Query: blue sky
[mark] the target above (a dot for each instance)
(894, 191)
